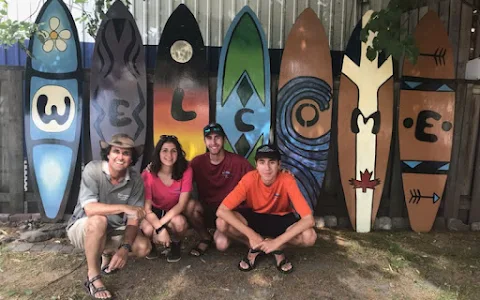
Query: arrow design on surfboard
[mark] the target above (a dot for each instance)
(438, 56)
(416, 196)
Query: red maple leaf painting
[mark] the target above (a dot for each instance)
(365, 183)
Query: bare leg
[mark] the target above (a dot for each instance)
(195, 215)
(225, 233)
(179, 226)
(95, 237)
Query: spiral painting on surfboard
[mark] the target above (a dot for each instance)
(304, 110)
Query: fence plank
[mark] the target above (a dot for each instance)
(464, 40)
(450, 201)
(475, 197)
(12, 120)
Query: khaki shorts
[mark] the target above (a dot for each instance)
(76, 234)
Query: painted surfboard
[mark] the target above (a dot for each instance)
(426, 118)
(365, 120)
(53, 107)
(243, 105)
(304, 108)
(181, 103)
(118, 86)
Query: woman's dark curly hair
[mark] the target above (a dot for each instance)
(179, 166)
(104, 154)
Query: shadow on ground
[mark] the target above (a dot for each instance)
(342, 265)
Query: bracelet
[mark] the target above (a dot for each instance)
(126, 246)
(164, 226)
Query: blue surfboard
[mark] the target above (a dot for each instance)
(53, 107)
(243, 105)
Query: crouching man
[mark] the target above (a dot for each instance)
(109, 209)
(270, 224)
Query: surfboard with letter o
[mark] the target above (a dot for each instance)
(53, 107)
(243, 104)
(365, 120)
(118, 86)
(304, 104)
(181, 103)
(426, 121)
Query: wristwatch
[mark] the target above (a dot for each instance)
(126, 246)
(164, 226)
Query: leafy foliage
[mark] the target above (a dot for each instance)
(391, 38)
(17, 32)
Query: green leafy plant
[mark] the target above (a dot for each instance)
(17, 32)
(392, 38)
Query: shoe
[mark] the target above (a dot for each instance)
(153, 253)
(174, 254)
(197, 251)
(250, 264)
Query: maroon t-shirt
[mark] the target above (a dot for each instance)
(215, 182)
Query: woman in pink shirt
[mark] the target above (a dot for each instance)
(168, 184)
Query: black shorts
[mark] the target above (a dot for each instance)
(268, 225)
(158, 212)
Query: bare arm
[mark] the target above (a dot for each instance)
(297, 228)
(176, 210)
(103, 209)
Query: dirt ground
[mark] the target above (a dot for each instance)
(342, 265)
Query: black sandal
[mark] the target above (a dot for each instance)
(93, 290)
(197, 252)
(282, 262)
(245, 259)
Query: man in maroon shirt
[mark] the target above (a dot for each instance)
(215, 173)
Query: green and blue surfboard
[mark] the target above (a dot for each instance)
(243, 105)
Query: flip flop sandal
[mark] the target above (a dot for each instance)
(93, 290)
(197, 252)
(282, 262)
(251, 265)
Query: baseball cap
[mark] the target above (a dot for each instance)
(213, 128)
(267, 151)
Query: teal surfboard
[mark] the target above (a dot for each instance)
(243, 105)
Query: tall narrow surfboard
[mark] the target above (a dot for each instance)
(365, 119)
(304, 110)
(426, 118)
(118, 86)
(243, 86)
(181, 103)
(53, 107)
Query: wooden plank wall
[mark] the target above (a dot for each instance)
(461, 198)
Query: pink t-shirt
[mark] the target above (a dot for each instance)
(162, 196)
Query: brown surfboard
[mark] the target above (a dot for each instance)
(365, 119)
(426, 118)
(304, 110)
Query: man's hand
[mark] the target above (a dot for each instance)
(287, 171)
(269, 245)
(255, 240)
(118, 260)
(162, 238)
(134, 212)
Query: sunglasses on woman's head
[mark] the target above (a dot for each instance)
(164, 136)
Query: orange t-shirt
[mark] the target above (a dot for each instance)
(275, 199)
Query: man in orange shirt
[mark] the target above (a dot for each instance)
(271, 224)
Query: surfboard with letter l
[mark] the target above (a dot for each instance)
(243, 105)
(53, 107)
(304, 109)
(181, 103)
(365, 120)
(118, 86)
(426, 121)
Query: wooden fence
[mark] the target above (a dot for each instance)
(461, 199)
